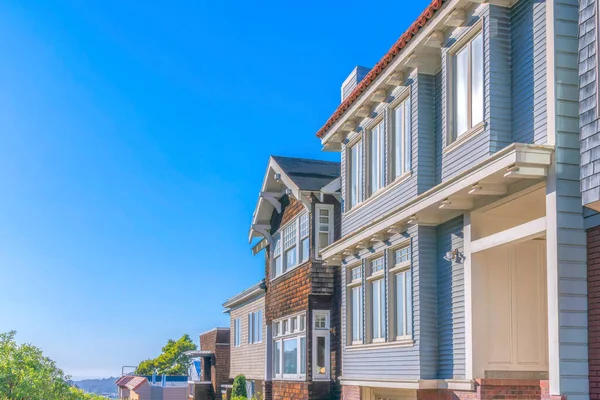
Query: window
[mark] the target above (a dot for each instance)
(304, 246)
(289, 348)
(468, 81)
(356, 173)
(324, 223)
(289, 246)
(255, 327)
(377, 310)
(277, 263)
(237, 339)
(355, 325)
(402, 293)
(377, 158)
(402, 138)
(377, 265)
(321, 356)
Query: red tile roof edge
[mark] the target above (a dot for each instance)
(382, 64)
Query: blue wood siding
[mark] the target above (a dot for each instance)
(528, 55)
(588, 103)
(450, 302)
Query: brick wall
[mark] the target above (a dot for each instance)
(217, 341)
(289, 390)
(491, 389)
(593, 275)
(351, 393)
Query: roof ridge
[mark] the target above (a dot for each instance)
(307, 159)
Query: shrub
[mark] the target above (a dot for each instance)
(238, 392)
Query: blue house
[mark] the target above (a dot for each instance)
(463, 245)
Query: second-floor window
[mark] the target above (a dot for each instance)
(377, 158)
(255, 327)
(401, 138)
(468, 85)
(356, 174)
(355, 308)
(324, 225)
(237, 333)
(291, 246)
(304, 230)
(401, 293)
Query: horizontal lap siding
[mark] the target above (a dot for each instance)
(590, 127)
(528, 53)
(451, 303)
(248, 359)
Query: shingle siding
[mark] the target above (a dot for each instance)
(249, 358)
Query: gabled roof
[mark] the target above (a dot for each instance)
(308, 174)
(290, 176)
(131, 382)
(246, 295)
(382, 64)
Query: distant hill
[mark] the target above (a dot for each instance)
(105, 387)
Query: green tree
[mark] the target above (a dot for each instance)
(26, 374)
(238, 391)
(172, 360)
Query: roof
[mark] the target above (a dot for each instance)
(246, 295)
(308, 174)
(382, 64)
(131, 382)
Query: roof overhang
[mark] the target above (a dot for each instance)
(491, 177)
(420, 50)
(248, 294)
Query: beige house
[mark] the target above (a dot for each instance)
(246, 311)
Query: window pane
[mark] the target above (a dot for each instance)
(278, 266)
(400, 325)
(376, 309)
(477, 80)
(377, 265)
(356, 313)
(304, 225)
(304, 249)
(289, 236)
(323, 240)
(302, 355)
(290, 356)
(401, 255)
(356, 174)
(377, 158)
(462, 77)
(398, 139)
(302, 323)
(321, 355)
(250, 331)
(277, 357)
(407, 136)
(356, 273)
(258, 325)
(290, 258)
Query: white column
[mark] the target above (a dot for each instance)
(468, 277)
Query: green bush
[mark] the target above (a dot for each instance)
(239, 388)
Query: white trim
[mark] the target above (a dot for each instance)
(519, 233)
(453, 384)
(550, 74)
(317, 225)
(468, 294)
(316, 333)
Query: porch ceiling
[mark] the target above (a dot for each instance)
(491, 177)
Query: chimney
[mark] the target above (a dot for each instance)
(352, 81)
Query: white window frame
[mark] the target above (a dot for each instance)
(401, 267)
(457, 48)
(355, 170)
(290, 242)
(376, 158)
(280, 249)
(303, 225)
(319, 226)
(280, 337)
(354, 283)
(237, 333)
(401, 134)
(376, 276)
(255, 327)
(323, 332)
(277, 256)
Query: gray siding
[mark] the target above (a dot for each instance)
(450, 302)
(384, 363)
(588, 107)
(528, 54)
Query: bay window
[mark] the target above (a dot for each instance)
(402, 138)
(295, 249)
(289, 348)
(377, 158)
(377, 300)
(468, 85)
(289, 246)
(321, 350)
(356, 174)
(401, 284)
(324, 225)
(355, 325)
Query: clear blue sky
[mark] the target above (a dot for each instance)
(133, 140)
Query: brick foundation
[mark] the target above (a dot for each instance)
(282, 390)
(593, 276)
(351, 393)
(490, 389)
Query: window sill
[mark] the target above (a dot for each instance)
(465, 137)
(385, 189)
(302, 379)
(383, 345)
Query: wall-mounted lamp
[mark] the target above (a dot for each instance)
(288, 191)
(277, 177)
(451, 255)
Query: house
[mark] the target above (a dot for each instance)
(209, 372)
(134, 387)
(463, 250)
(247, 355)
(296, 216)
(590, 174)
(131, 387)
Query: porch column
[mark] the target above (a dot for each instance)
(567, 283)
